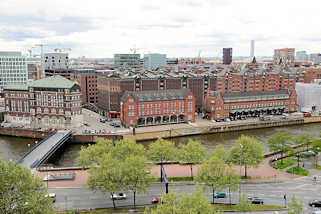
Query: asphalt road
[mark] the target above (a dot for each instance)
(303, 188)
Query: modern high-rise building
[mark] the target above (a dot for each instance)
(55, 61)
(154, 60)
(301, 56)
(284, 56)
(252, 49)
(127, 61)
(13, 69)
(227, 56)
(315, 58)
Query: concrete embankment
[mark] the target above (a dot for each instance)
(168, 131)
(217, 128)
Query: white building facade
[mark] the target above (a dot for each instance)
(154, 60)
(55, 61)
(13, 69)
(308, 96)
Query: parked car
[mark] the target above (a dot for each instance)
(52, 196)
(315, 203)
(119, 196)
(312, 152)
(255, 200)
(156, 199)
(306, 114)
(316, 212)
(305, 154)
(220, 195)
(117, 125)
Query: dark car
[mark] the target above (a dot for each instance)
(315, 203)
(255, 200)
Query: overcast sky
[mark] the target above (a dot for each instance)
(100, 28)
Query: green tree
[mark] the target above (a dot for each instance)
(107, 176)
(295, 207)
(194, 203)
(232, 181)
(280, 142)
(137, 178)
(246, 151)
(244, 205)
(162, 150)
(316, 147)
(113, 168)
(192, 153)
(303, 140)
(211, 173)
(221, 153)
(21, 192)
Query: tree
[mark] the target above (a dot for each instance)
(221, 153)
(295, 207)
(246, 151)
(21, 192)
(316, 147)
(137, 178)
(244, 205)
(162, 150)
(280, 142)
(191, 153)
(211, 173)
(115, 166)
(107, 176)
(231, 181)
(303, 140)
(194, 203)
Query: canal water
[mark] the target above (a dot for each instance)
(13, 148)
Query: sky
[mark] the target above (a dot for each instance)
(178, 28)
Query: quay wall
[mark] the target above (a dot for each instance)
(220, 127)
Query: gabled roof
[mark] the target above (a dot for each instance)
(56, 81)
(163, 95)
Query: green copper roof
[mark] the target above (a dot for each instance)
(56, 81)
(22, 87)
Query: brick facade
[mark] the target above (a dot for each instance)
(236, 105)
(43, 107)
(157, 107)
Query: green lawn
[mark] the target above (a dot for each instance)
(298, 171)
(218, 207)
(286, 163)
(316, 166)
(226, 207)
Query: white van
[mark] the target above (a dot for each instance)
(316, 212)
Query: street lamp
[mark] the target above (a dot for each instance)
(240, 172)
(46, 167)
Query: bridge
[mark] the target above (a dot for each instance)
(44, 149)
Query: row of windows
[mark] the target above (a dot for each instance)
(156, 108)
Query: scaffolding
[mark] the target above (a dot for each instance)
(308, 97)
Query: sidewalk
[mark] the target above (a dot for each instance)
(264, 173)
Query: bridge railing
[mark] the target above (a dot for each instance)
(39, 161)
(33, 148)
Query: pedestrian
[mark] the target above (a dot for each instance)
(303, 164)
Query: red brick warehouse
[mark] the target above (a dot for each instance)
(144, 108)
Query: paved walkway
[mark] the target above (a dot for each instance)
(264, 173)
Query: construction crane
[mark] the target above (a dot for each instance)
(135, 50)
(41, 61)
(60, 50)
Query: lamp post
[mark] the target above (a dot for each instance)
(240, 172)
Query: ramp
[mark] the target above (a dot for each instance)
(44, 149)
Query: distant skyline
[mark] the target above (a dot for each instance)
(178, 28)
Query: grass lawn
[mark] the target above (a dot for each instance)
(219, 207)
(226, 207)
(316, 166)
(298, 171)
(286, 163)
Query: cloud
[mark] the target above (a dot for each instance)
(24, 26)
